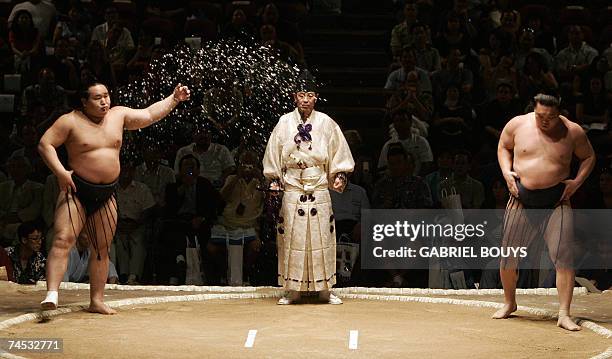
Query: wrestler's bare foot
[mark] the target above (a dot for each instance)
(566, 322)
(100, 307)
(505, 311)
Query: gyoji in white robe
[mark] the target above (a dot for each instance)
(306, 235)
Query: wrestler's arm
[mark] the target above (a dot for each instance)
(135, 119)
(54, 137)
(585, 154)
(505, 154)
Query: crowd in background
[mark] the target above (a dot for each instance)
(458, 71)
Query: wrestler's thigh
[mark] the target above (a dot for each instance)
(559, 236)
(70, 216)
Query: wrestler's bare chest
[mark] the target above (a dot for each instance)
(531, 143)
(86, 135)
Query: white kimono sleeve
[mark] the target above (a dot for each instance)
(339, 155)
(272, 161)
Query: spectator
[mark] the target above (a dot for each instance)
(453, 35)
(65, 68)
(593, 106)
(400, 188)
(536, 77)
(192, 206)
(7, 144)
(494, 114)
(27, 260)
(154, 173)
(43, 15)
(134, 201)
(454, 125)
(427, 57)
(526, 47)
(410, 96)
(5, 262)
(444, 161)
(347, 207)
(45, 101)
(544, 38)
(362, 174)
(499, 44)
(286, 31)
(98, 65)
(77, 270)
(140, 60)
(239, 28)
(503, 72)
(239, 222)
(470, 190)
(114, 37)
(215, 159)
(28, 136)
(416, 145)
(398, 77)
(76, 28)
(26, 44)
(453, 73)
(21, 198)
(401, 35)
(286, 52)
(576, 57)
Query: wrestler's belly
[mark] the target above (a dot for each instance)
(537, 173)
(98, 166)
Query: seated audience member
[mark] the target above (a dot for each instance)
(21, 198)
(398, 77)
(192, 206)
(78, 263)
(416, 145)
(7, 264)
(470, 190)
(134, 202)
(399, 187)
(215, 161)
(26, 257)
(239, 222)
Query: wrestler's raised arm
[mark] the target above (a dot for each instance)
(505, 155)
(585, 154)
(54, 137)
(135, 119)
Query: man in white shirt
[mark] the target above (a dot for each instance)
(134, 199)
(101, 32)
(216, 161)
(413, 143)
(154, 174)
(398, 77)
(43, 14)
(576, 57)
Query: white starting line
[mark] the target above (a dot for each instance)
(250, 338)
(353, 339)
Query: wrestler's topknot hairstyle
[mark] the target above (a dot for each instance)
(549, 99)
(89, 82)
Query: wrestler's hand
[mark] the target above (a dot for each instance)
(511, 178)
(570, 188)
(66, 184)
(181, 93)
